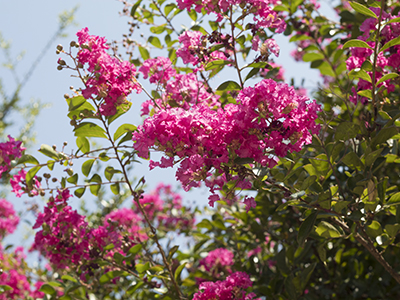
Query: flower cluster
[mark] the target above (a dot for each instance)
(110, 79)
(268, 120)
(179, 90)
(8, 218)
(64, 236)
(164, 207)
(20, 186)
(127, 222)
(9, 151)
(386, 62)
(232, 288)
(15, 274)
(262, 10)
(217, 263)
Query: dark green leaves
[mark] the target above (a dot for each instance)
(306, 227)
(346, 131)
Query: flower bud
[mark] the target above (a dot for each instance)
(59, 47)
(72, 44)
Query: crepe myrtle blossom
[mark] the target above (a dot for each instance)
(9, 151)
(387, 61)
(109, 79)
(262, 10)
(232, 288)
(8, 218)
(20, 186)
(183, 90)
(268, 120)
(15, 274)
(217, 263)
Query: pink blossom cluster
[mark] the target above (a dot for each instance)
(9, 151)
(386, 62)
(8, 218)
(164, 207)
(110, 79)
(195, 49)
(178, 90)
(16, 275)
(217, 263)
(64, 236)
(268, 120)
(159, 69)
(263, 14)
(232, 288)
(127, 223)
(20, 186)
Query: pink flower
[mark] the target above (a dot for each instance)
(9, 151)
(110, 79)
(8, 218)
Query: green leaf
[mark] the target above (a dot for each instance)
(352, 160)
(141, 268)
(157, 29)
(363, 9)
(168, 8)
(133, 288)
(365, 93)
(327, 230)
(94, 188)
(394, 199)
(123, 129)
(109, 172)
(387, 77)
(229, 86)
(4, 287)
(31, 174)
(374, 229)
(47, 289)
(392, 230)
(172, 251)
(360, 74)
(27, 159)
(73, 179)
(311, 56)
(79, 192)
(75, 102)
(356, 44)
(252, 73)
(394, 42)
(110, 275)
(87, 129)
(50, 152)
(121, 109)
(395, 20)
(179, 270)
(155, 41)
(216, 63)
(87, 166)
(192, 14)
(83, 144)
(346, 131)
(135, 249)
(306, 274)
(281, 261)
(290, 287)
(306, 227)
(134, 8)
(383, 135)
(115, 188)
(144, 53)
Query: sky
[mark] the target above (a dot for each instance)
(28, 25)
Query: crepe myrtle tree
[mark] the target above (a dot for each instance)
(303, 193)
